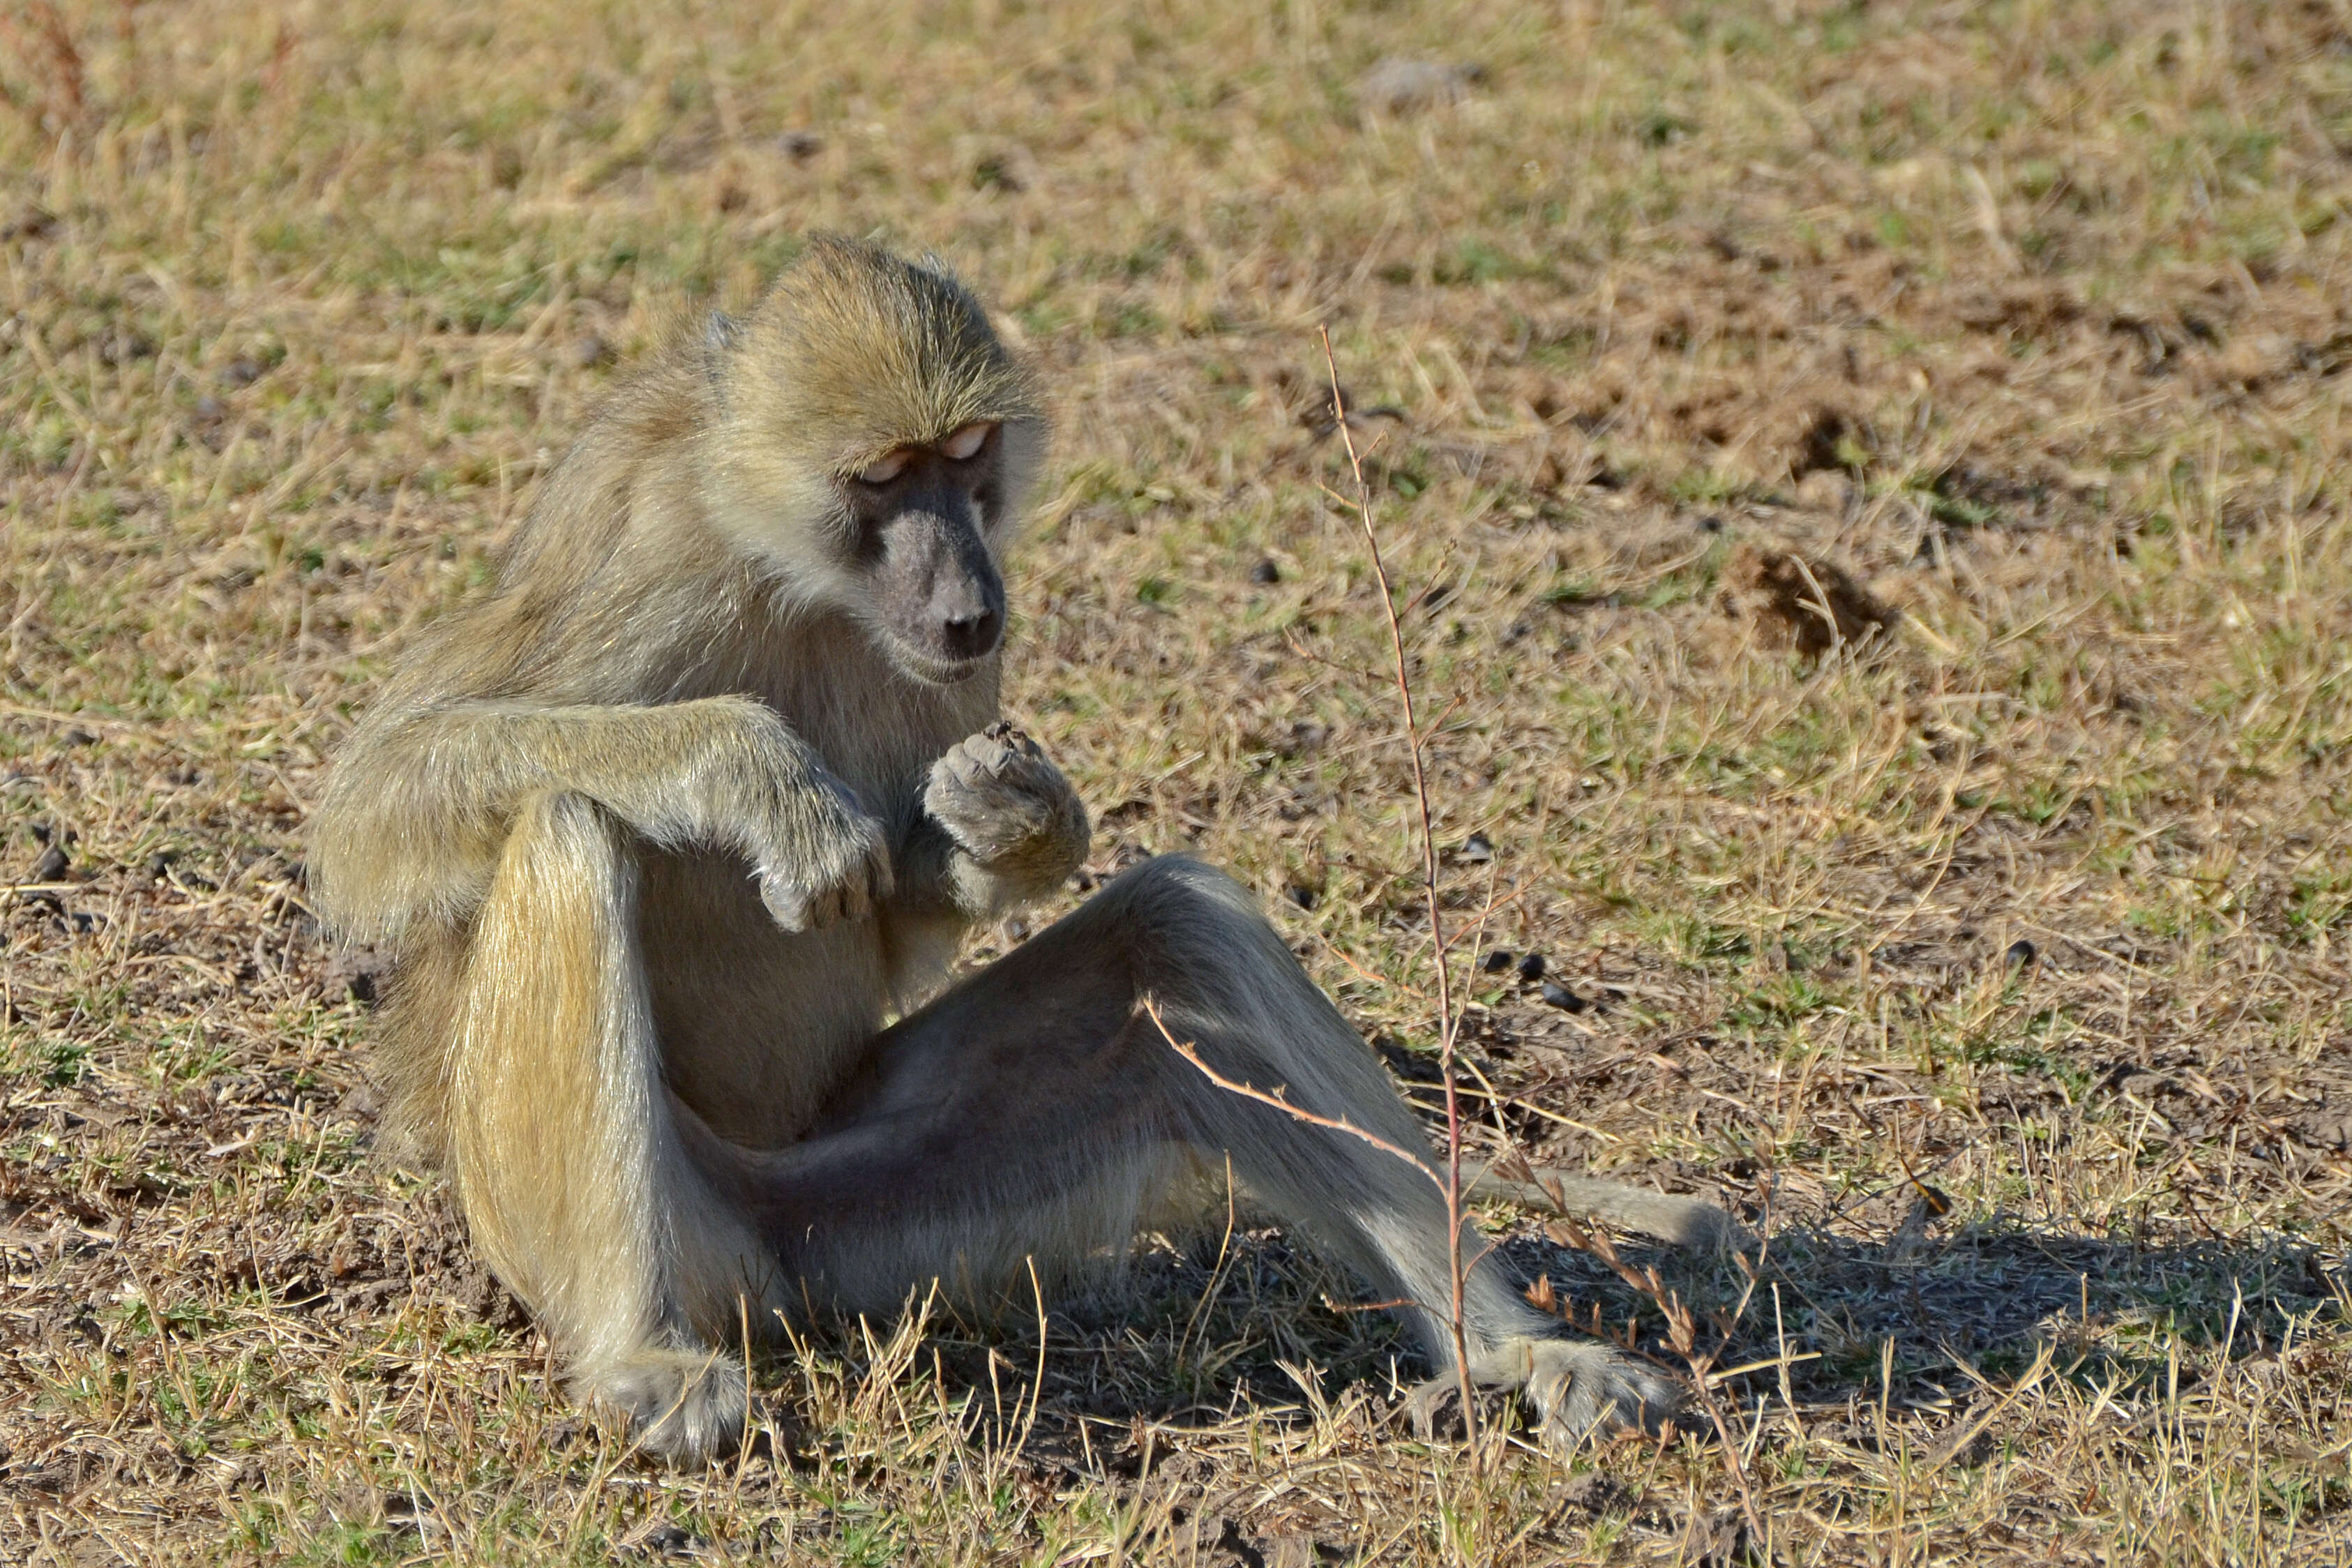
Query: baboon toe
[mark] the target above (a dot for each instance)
(1575, 1386)
(1581, 1386)
(685, 1407)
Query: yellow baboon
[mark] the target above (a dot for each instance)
(664, 829)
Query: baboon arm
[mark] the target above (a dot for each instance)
(926, 866)
(941, 884)
(413, 821)
(924, 922)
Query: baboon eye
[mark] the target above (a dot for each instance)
(965, 444)
(884, 469)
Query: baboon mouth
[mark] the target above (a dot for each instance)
(928, 671)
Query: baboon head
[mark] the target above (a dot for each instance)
(875, 442)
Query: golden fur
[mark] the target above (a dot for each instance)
(664, 829)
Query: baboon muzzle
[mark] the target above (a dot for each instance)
(940, 592)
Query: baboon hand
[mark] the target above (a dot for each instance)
(1007, 805)
(821, 860)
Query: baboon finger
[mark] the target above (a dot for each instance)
(786, 905)
(963, 768)
(988, 758)
(997, 753)
(854, 895)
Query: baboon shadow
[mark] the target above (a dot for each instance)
(1983, 1299)
(1197, 1331)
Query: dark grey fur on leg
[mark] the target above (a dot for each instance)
(1035, 1110)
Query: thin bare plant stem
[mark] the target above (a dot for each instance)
(1189, 1050)
(1682, 1333)
(1448, 1021)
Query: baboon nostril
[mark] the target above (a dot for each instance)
(968, 637)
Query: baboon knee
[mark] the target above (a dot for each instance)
(1175, 903)
(1197, 940)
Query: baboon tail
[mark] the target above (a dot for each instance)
(1686, 1222)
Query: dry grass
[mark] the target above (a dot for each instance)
(2030, 317)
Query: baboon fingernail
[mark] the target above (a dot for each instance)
(1532, 967)
(1495, 962)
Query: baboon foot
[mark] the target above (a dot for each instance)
(1575, 1385)
(683, 1406)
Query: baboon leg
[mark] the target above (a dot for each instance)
(1036, 1109)
(564, 1152)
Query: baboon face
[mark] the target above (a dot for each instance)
(920, 516)
(877, 439)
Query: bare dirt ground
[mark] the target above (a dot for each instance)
(2014, 333)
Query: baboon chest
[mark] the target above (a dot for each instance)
(759, 1026)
